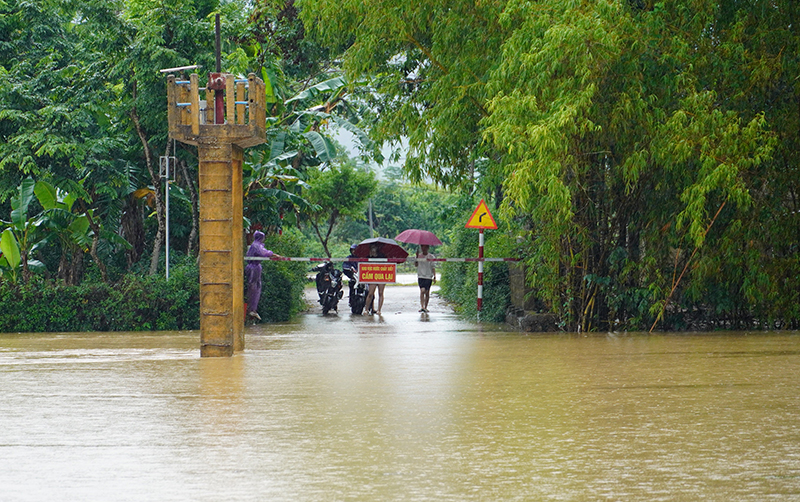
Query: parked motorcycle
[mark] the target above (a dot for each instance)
(358, 291)
(329, 286)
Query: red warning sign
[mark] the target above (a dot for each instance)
(481, 218)
(377, 273)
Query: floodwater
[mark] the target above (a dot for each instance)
(405, 406)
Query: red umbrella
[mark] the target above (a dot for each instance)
(414, 236)
(387, 248)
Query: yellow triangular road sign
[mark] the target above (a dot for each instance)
(481, 218)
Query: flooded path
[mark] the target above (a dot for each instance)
(405, 406)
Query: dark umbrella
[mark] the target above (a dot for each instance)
(387, 248)
(421, 237)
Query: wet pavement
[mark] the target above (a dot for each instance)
(400, 299)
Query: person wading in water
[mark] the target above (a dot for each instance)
(426, 276)
(252, 273)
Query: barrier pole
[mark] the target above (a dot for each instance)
(374, 260)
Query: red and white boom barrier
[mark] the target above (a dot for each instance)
(374, 260)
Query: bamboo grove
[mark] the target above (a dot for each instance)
(643, 151)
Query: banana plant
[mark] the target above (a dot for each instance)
(322, 105)
(75, 224)
(275, 176)
(22, 236)
(9, 255)
(273, 189)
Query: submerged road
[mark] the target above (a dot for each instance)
(400, 407)
(401, 298)
(400, 316)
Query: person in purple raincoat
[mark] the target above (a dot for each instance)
(252, 273)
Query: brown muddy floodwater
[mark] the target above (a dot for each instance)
(406, 407)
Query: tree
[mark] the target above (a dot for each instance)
(621, 151)
(339, 192)
(82, 106)
(399, 206)
(162, 34)
(275, 26)
(273, 193)
(424, 67)
(55, 117)
(638, 145)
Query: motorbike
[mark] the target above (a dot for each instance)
(329, 286)
(358, 291)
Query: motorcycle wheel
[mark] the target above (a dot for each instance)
(358, 305)
(329, 303)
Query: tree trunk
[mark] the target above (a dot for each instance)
(26, 272)
(323, 241)
(70, 266)
(76, 268)
(191, 249)
(132, 230)
(95, 240)
(63, 267)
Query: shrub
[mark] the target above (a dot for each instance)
(460, 280)
(145, 303)
(135, 303)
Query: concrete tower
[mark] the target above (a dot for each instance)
(231, 118)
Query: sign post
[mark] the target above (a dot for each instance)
(481, 219)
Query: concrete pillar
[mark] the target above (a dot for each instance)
(221, 249)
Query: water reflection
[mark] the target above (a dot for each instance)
(403, 408)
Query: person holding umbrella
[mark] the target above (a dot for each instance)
(378, 247)
(374, 253)
(426, 275)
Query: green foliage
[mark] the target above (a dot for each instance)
(133, 304)
(54, 117)
(341, 189)
(9, 253)
(276, 26)
(618, 144)
(23, 234)
(459, 283)
(425, 64)
(339, 192)
(273, 190)
(640, 145)
(299, 148)
(399, 206)
(644, 151)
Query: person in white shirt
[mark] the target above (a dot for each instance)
(426, 275)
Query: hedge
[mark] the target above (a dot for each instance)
(142, 303)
